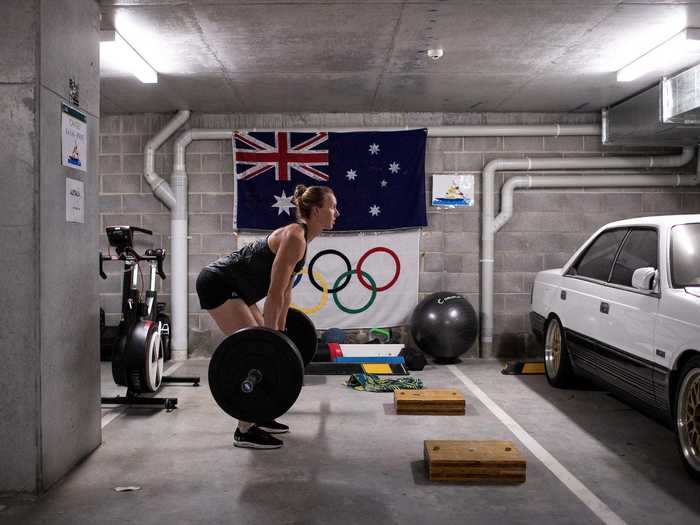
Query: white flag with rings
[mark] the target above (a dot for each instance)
(358, 280)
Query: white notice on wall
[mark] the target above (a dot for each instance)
(75, 201)
(73, 138)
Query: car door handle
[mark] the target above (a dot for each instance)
(605, 308)
(562, 295)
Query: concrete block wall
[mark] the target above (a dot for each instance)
(546, 227)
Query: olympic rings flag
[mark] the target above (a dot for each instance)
(358, 281)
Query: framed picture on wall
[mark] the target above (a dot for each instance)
(452, 190)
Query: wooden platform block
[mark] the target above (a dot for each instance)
(474, 461)
(430, 402)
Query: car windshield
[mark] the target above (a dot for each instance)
(685, 255)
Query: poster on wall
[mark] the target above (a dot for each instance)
(73, 138)
(453, 190)
(75, 201)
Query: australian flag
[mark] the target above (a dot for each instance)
(378, 176)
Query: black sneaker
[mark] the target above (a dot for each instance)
(273, 427)
(255, 438)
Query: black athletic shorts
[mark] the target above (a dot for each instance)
(214, 289)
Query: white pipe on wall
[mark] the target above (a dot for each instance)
(175, 201)
(160, 187)
(179, 229)
(486, 130)
(529, 164)
(576, 181)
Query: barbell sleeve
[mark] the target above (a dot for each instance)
(253, 378)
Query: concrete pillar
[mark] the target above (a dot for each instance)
(49, 328)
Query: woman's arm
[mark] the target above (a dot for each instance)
(282, 322)
(291, 249)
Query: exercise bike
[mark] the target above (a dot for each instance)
(143, 335)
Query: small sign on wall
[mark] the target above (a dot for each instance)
(73, 138)
(75, 201)
(453, 190)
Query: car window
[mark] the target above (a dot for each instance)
(639, 250)
(597, 260)
(685, 255)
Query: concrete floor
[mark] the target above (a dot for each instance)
(351, 459)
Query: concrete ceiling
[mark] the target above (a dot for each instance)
(370, 55)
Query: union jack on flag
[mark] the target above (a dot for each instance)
(281, 152)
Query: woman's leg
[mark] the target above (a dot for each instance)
(233, 315)
(230, 317)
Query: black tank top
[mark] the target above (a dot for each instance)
(250, 267)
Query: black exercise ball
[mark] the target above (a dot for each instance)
(444, 325)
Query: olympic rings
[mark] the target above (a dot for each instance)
(344, 279)
(363, 308)
(336, 288)
(324, 293)
(360, 273)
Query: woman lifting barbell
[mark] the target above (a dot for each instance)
(229, 287)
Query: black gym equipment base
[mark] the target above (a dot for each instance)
(168, 403)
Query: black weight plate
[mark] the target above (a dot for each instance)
(270, 352)
(301, 330)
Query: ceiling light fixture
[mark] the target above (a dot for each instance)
(115, 50)
(685, 43)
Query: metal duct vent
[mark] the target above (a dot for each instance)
(640, 121)
(681, 97)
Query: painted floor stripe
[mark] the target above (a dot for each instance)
(114, 413)
(111, 415)
(579, 490)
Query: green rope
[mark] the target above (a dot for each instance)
(375, 383)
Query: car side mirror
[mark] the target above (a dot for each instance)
(644, 279)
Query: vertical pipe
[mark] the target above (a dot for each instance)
(160, 188)
(180, 253)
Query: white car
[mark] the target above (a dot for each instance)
(625, 312)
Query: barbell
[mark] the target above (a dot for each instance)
(256, 373)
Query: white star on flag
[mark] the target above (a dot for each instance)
(384, 183)
(351, 174)
(374, 211)
(394, 167)
(283, 203)
(374, 149)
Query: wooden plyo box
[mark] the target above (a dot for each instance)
(435, 402)
(474, 461)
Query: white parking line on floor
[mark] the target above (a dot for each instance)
(111, 415)
(114, 413)
(579, 490)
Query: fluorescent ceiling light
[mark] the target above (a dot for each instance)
(115, 52)
(682, 44)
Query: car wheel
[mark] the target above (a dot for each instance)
(557, 365)
(688, 416)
